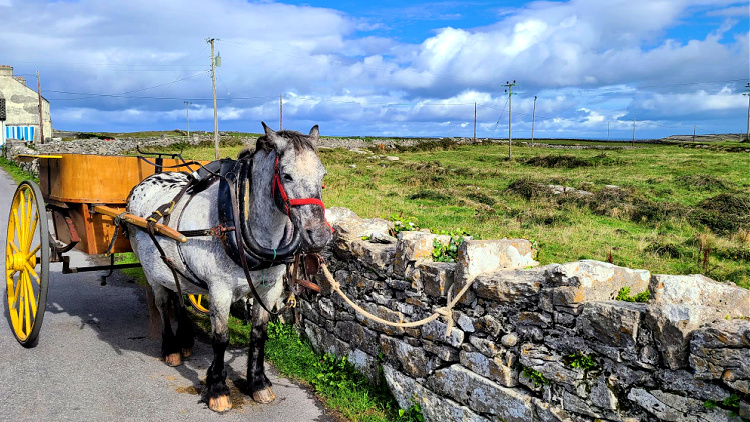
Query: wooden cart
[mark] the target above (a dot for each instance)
(82, 196)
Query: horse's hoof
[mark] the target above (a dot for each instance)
(173, 359)
(220, 404)
(186, 353)
(264, 396)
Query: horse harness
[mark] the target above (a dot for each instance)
(234, 177)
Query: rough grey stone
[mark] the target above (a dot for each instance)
(502, 370)
(436, 330)
(684, 381)
(434, 407)
(413, 360)
(671, 407)
(481, 394)
(612, 323)
(700, 290)
(509, 340)
(437, 277)
(517, 287)
(673, 326)
(595, 280)
(476, 257)
(549, 413)
(375, 256)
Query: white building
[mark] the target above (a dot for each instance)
(19, 109)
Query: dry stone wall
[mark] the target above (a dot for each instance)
(529, 342)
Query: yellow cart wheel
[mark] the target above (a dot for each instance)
(199, 303)
(27, 263)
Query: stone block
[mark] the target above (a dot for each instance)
(358, 336)
(722, 351)
(413, 360)
(673, 326)
(476, 257)
(611, 323)
(700, 290)
(591, 280)
(383, 313)
(435, 408)
(414, 247)
(550, 413)
(671, 407)
(365, 363)
(375, 256)
(481, 394)
(682, 380)
(504, 371)
(435, 331)
(516, 287)
(437, 277)
(442, 352)
(349, 229)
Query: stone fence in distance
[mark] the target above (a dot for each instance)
(531, 343)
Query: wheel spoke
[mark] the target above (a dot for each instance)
(33, 252)
(27, 308)
(30, 296)
(14, 247)
(20, 305)
(17, 228)
(32, 271)
(32, 232)
(28, 223)
(17, 289)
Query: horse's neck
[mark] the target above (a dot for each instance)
(267, 221)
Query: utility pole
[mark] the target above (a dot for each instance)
(475, 122)
(509, 90)
(693, 133)
(747, 135)
(187, 116)
(633, 143)
(607, 131)
(533, 118)
(281, 112)
(41, 113)
(213, 86)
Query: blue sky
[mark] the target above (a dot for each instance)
(391, 68)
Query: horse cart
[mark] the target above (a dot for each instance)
(79, 203)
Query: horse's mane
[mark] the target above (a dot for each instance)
(298, 140)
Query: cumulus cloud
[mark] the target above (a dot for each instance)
(131, 64)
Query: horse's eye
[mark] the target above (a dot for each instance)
(288, 178)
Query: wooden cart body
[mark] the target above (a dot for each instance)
(73, 184)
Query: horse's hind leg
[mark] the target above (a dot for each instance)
(170, 346)
(259, 385)
(185, 332)
(217, 392)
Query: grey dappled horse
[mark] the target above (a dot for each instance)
(289, 155)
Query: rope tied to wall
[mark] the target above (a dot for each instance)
(445, 311)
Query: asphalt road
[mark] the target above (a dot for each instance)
(95, 361)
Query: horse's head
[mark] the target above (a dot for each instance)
(298, 177)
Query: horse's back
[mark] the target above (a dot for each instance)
(154, 191)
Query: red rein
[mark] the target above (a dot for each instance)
(292, 202)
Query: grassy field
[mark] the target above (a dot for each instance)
(672, 210)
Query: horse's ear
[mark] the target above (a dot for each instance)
(278, 142)
(314, 132)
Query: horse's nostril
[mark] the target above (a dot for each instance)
(309, 234)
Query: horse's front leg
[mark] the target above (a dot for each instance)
(259, 385)
(217, 392)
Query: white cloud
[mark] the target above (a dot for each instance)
(588, 61)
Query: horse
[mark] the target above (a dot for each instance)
(283, 168)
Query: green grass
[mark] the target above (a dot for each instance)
(671, 206)
(16, 172)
